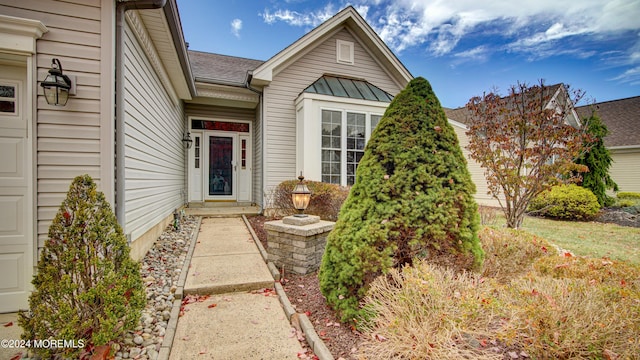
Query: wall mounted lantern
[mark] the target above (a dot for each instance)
(56, 85)
(188, 141)
(301, 196)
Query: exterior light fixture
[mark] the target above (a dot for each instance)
(187, 140)
(56, 85)
(301, 196)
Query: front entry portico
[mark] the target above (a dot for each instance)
(220, 162)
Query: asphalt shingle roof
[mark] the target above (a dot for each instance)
(221, 68)
(622, 118)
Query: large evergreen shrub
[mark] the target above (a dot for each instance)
(412, 198)
(86, 287)
(598, 160)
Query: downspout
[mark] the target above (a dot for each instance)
(121, 8)
(247, 85)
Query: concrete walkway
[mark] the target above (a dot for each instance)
(239, 320)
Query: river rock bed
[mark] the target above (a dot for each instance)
(160, 270)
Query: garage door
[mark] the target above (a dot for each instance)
(16, 240)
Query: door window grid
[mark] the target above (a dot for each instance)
(197, 152)
(244, 154)
(8, 98)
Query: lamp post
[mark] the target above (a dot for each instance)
(56, 85)
(301, 196)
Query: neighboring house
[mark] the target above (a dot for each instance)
(622, 118)
(139, 92)
(459, 118)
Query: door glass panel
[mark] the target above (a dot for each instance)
(220, 165)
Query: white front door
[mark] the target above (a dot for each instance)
(16, 238)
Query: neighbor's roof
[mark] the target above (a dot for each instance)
(622, 118)
(462, 114)
(350, 88)
(221, 69)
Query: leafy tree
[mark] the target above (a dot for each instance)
(524, 142)
(413, 197)
(598, 160)
(87, 287)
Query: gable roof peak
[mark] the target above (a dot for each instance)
(347, 17)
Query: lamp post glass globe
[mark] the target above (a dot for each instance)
(301, 196)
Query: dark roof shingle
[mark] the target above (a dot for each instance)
(218, 68)
(622, 118)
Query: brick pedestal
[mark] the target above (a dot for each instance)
(297, 243)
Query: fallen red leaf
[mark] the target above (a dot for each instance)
(101, 352)
(212, 306)
(10, 323)
(308, 313)
(17, 356)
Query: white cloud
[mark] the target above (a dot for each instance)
(236, 26)
(535, 28)
(295, 18)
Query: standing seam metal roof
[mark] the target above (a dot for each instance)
(350, 88)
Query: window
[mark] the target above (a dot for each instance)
(344, 136)
(331, 145)
(355, 144)
(197, 152)
(8, 98)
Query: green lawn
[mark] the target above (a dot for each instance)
(586, 238)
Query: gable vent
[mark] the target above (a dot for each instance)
(344, 50)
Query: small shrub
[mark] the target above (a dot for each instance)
(560, 308)
(430, 312)
(86, 287)
(623, 203)
(326, 199)
(628, 195)
(567, 202)
(572, 318)
(510, 253)
(633, 210)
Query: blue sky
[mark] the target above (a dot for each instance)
(463, 47)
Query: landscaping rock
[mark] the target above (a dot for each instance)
(160, 269)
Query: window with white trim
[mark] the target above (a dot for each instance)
(344, 136)
(8, 98)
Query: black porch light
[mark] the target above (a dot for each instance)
(301, 196)
(56, 85)
(186, 139)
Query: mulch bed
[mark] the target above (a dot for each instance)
(304, 293)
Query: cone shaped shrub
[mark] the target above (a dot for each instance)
(413, 197)
(87, 288)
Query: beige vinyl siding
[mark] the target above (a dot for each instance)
(625, 169)
(68, 138)
(154, 152)
(233, 114)
(477, 172)
(280, 116)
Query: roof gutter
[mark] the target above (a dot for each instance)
(121, 8)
